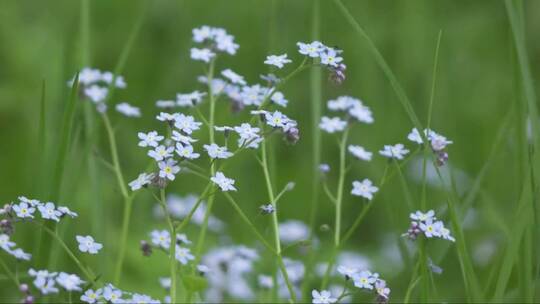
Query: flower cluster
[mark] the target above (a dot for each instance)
(438, 143)
(161, 239)
(428, 225)
(8, 246)
(213, 40)
(368, 280)
(326, 56)
(111, 294)
(94, 86)
(26, 208)
(354, 109)
(47, 281)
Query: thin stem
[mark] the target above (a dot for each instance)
(275, 222)
(9, 273)
(341, 181)
(172, 247)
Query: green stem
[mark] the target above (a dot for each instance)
(172, 247)
(341, 182)
(128, 201)
(9, 273)
(275, 222)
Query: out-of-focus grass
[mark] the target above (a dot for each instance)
(475, 91)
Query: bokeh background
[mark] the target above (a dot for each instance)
(40, 41)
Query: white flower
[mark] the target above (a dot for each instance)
(186, 123)
(330, 57)
(88, 76)
(65, 211)
(265, 281)
(168, 168)
(189, 100)
(128, 110)
(332, 125)
(323, 297)
(108, 78)
(141, 299)
(163, 116)
(277, 60)
(347, 271)
(343, 103)
(44, 281)
(186, 151)
(161, 238)
(150, 139)
(422, 217)
(90, 296)
(142, 180)
(431, 229)
(382, 290)
(165, 104)
(360, 153)
(279, 99)
(87, 244)
(23, 210)
(397, 151)
(253, 95)
(179, 137)
(183, 255)
(439, 142)
(246, 131)
(445, 234)
(312, 50)
(5, 243)
(112, 294)
(415, 136)
(362, 114)
(165, 282)
(202, 54)
(364, 279)
(276, 119)
(202, 33)
(161, 152)
(96, 93)
(48, 211)
(20, 254)
(233, 77)
(226, 184)
(215, 151)
(364, 189)
(70, 282)
(182, 238)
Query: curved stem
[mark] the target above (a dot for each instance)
(127, 199)
(87, 273)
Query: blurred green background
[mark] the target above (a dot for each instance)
(475, 89)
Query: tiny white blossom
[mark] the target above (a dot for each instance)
(165, 104)
(202, 54)
(112, 294)
(277, 60)
(164, 116)
(360, 153)
(186, 123)
(168, 168)
(362, 114)
(431, 229)
(181, 138)
(48, 211)
(20, 254)
(161, 152)
(5, 243)
(65, 211)
(226, 184)
(142, 180)
(150, 139)
(69, 282)
(364, 189)
(90, 296)
(183, 255)
(330, 57)
(161, 238)
(332, 125)
(96, 93)
(397, 151)
(215, 151)
(89, 76)
(245, 130)
(128, 110)
(23, 210)
(87, 244)
(348, 272)
(312, 49)
(279, 99)
(422, 217)
(186, 151)
(382, 290)
(364, 279)
(233, 77)
(322, 297)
